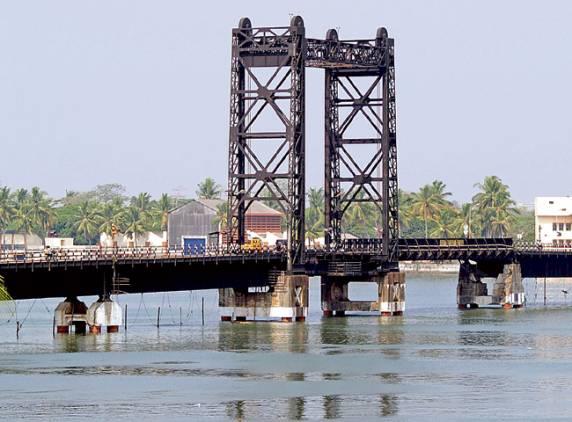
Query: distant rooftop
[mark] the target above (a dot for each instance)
(553, 205)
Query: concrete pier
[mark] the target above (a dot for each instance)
(471, 291)
(104, 313)
(71, 313)
(391, 295)
(286, 299)
(508, 289)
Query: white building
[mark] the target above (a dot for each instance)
(553, 220)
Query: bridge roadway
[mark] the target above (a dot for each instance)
(88, 271)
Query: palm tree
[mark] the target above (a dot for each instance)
(143, 204)
(209, 189)
(315, 213)
(221, 218)
(446, 223)
(429, 201)
(134, 223)
(164, 206)
(87, 220)
(111, 214)
(41, 211)
(23, 222)
(6, 212)
(494, 206)
(406, 215)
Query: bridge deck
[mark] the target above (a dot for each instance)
(84, 271)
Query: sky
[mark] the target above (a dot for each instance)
(137, 92)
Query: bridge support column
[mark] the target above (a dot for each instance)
(286, 299)
(391, 290)
(70, 313)
(471, 291)
(508, 289)
(104, 313)
(391, 295)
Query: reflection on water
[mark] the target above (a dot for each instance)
(434, 362)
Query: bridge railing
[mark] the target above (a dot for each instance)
(96, 253)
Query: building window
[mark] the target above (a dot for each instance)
(554, 242)
(561, 226)
(554, 227)
(568, 226)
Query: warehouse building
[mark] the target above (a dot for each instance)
(195, 225)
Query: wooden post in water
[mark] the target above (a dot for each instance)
(125, 318)
(17, 329)
(158, 316)
(203, 309)
(180, 316)
(54, 326)
(544, 291)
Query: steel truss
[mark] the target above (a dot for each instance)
(252, 177)
(348, 181)
(280, 177)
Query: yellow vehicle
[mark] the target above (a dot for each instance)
(253, 245)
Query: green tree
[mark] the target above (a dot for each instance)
(209, 189)
(494, 206)
(446, 223)
(315, 214)
(41, 210)
(429, 201)
(6, 212)
(144, 205)
(221, 218)
(134, 223)
(87, 220)
(110, 214)
(163, 208)
(23, 221)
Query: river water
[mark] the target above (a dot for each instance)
(435, 361)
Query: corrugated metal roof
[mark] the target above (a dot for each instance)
(257, 208)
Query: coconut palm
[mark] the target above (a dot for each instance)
(494, 206)
(209, 189)
(23, 221)
(111, 215)
(134, 223)
(427, 203)
(406, 215)
(143, 204)
(41, 211)
(315, 213)
(163, 208)
(6, 212)
(87, 220)
(221, 217)
(446, 223)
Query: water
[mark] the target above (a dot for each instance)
(434, 362)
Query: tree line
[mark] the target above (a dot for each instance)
(429, 212)
(85, 215)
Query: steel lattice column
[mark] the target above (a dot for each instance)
(280, 53)
(347, 181)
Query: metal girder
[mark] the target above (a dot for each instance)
(348, 181)
(251, 176)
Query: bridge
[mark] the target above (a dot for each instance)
(266, 162)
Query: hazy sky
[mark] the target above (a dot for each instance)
(136, 92)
